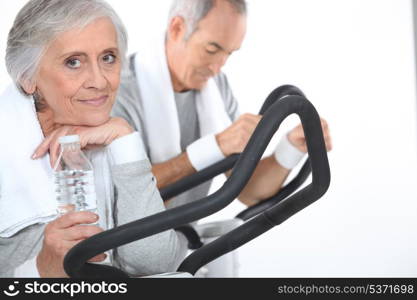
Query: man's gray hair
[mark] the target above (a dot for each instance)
(40, 21)
(193, 11)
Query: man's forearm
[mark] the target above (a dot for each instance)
(172, 170)
(265, 182)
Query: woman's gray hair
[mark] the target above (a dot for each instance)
(39, 22)
(193, 11)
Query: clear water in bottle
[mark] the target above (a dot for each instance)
(74, 178)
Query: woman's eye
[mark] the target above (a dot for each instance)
(73, 63)
(109, 58)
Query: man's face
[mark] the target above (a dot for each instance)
(202, 56)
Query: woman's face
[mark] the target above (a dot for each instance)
(79, 74)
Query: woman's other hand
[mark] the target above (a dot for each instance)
(60, 236)
(90, 137)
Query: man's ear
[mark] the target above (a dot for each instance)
(177, 29)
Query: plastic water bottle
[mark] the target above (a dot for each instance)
(74, 178)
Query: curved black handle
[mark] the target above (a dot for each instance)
(226, 164)
(75, 261)
(194, 241)
(283, 210)
(297, 181)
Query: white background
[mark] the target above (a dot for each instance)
(354, 60)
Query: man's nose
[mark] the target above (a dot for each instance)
(217, 65)
(95, 78)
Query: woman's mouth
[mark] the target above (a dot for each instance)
(95, 101)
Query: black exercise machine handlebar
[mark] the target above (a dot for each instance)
(226, 164)
(277, 214)
(75, 262)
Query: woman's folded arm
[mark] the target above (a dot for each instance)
(18, 253)
(138, 197)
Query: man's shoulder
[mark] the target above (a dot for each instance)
(128, 90)
(226, 93)
(128, 74)
(221, 81)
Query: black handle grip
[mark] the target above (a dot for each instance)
(283, 210)
(75, 261)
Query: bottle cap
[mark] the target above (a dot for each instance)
(69, 139)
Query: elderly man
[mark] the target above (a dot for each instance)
(176, 96)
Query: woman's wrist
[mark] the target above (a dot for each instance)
(126, 149)
(42, 263)
(123, 127)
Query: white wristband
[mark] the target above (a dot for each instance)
(286, 154)
(204, 152)
(126, 149)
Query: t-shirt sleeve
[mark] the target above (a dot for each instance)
(230, 103)
(127, 104)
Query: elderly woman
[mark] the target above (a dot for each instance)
(65, 58)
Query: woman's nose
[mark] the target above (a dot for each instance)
(95, 78)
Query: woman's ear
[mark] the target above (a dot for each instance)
(28, 87)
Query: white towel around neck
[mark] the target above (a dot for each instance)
(26, 186)
(26, 190)
(160, 116)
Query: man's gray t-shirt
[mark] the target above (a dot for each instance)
(128, 107)
(187, 116)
